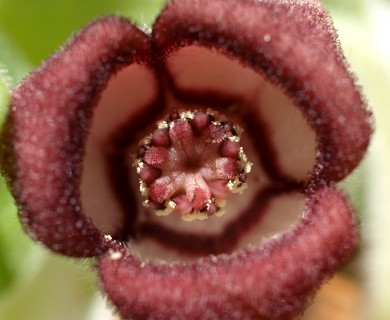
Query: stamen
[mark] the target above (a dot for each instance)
(191, 163)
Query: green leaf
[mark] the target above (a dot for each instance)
(350, 6)
(40, 27)
(14, 59)
(13, 242)
(51, 287)
(4, 269)
(5, 81)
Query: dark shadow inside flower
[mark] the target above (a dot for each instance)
(277, 139)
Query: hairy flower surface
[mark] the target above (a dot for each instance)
(89, 168)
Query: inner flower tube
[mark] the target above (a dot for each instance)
(197, 164)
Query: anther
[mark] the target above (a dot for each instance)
(191, 163)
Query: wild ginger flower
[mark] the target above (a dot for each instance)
(234, 86)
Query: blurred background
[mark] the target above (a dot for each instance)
(38, 285)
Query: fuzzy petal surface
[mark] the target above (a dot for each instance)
(46, 129)
(274, 281)
(294, 45)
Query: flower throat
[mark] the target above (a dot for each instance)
(191, 163)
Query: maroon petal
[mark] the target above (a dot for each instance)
(293, 44)
(47, 127)
(53, 169)
(275, 281)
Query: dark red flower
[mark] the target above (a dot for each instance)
(272, 67)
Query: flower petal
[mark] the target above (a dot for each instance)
(275, 281)
(47, 127)
(127, 106)
(292, 43)
(284, 141)
(273, 211)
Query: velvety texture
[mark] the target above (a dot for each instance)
(264, 55)
(274, 281)
(47, 127)
(294, 44)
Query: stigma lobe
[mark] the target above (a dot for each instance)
(190, 164)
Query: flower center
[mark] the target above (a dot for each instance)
(191, 163)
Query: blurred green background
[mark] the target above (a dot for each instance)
(37, 285)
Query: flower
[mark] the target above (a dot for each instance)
(273, 68)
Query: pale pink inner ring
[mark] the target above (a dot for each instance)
(272, 124)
